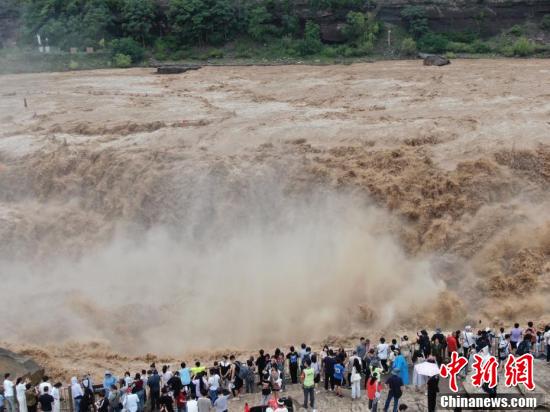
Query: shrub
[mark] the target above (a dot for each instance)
(215, 54)
(122, 60)
(523, 47)
(311, 43)
(408, 47)
(545, 22)
(479, 46)
(433, 43)
(129, 47)
(516, 30)
(459, 47)
(507, 50)
(450, 55)
(73, 65)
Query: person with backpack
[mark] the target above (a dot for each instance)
(525, 346)
(293, 358)
(308, 383)
(275, 379)
(235, 377)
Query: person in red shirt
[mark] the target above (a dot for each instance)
(452, 343)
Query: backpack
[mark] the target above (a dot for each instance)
(243, 372)
(293, 358)
(523, 348)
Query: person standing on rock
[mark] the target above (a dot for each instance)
(76, 392)
(46, 401)
(515, 336)
(20, 388)
(293, 359)
(382, 353)
(433, 389)
(339, 370)
(308, 382)
(355, 379)
(394, 384)
(9, 393)
(31, 398)
(56, 397)
(328, 367)
(374, 391)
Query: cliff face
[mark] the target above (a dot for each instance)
(489, 16)
(486, 16)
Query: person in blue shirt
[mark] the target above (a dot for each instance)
(394, 384)
(108, 381)
(339, 370)
(185, 376)
(400, 363)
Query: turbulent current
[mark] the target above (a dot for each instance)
(246, 206)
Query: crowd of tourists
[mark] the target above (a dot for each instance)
(371, 371)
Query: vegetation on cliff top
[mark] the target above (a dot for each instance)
(127, 31)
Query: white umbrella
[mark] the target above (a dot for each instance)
(426, 369)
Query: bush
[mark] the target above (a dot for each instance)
(479, 46)
(545, 22)
(129, 47)
(516, 30)
(311, 43)
(523, 47)
(408, 47)
(450, 55)
(73, 65)
(459, 47)
(507, 51)
(433, 43)
(122, 60)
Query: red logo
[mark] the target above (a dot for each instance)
(485, 371)
(452, 369)
(519, 370)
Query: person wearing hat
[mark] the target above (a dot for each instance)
(394, 384)
(108, 381)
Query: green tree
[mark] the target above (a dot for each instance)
(259, 23)
(202, 21)
(138, 17)
(311, 42)
(415, 18)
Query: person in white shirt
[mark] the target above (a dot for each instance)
(131, 401)
(77, 393)
(56, 394)
(213, 385)
(20, 389)
(9, 393)
(192, 404)
(44, 384)
(382, 353)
